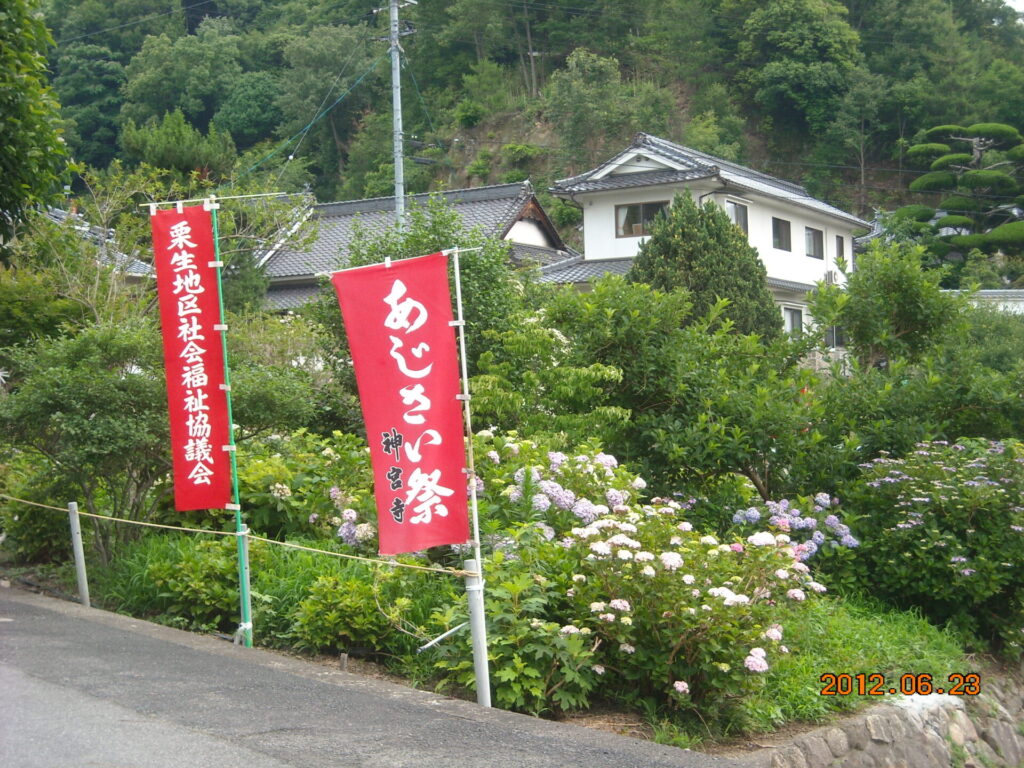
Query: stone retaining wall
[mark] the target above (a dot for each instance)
(984, 731)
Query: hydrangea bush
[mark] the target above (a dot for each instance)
(525, 480)
(593, 590)
(686, 619)
(942, 529)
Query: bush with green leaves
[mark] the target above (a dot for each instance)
(340, 614)
(535, 666)
(196, 583)
(942, 530)
(305, 484)
(31, 534)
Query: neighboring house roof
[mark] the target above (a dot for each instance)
(686, 164)
(579, 270)
(103, 238)
(494, 210)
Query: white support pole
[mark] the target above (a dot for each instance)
(79, 550)
(478, 628)
(474, 582)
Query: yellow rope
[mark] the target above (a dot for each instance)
(391, 563)
(33, 503)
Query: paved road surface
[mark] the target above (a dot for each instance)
(85, 688)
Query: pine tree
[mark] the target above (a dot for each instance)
(701, 250)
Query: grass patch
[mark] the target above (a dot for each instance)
(847, 636)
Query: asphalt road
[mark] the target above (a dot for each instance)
(87, 688)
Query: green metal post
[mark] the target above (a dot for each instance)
(240, 527)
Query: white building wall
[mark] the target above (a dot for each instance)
(600, 242)
(528, 233)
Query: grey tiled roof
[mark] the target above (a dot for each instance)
(290, 296)
(523, 254)
(694, 165)
(579, 270)
(492, 209)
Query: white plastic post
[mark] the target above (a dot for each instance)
(475, 595)
(76, 547)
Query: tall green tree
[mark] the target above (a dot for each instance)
(89, 87)
(32, 152)
(315, 83)
(891, 308)
(701, 250)
(173, 144)
(590, 106)
(193, 73)
(796, 58)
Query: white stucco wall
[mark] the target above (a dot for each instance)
(528, 233)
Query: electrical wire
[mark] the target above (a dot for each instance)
(323, 101)
(182, 9)
(316, 119)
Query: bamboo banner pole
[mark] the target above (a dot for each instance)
(241, 530)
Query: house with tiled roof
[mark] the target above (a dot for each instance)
(799, 238)
(506, 211)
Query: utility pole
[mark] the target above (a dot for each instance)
(396, 109)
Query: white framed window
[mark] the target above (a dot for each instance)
(635, 220)
(840, 247)
(793, 320)
(781, 238)
(737, 213)
(815, 242)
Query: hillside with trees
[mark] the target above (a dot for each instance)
(829, 93)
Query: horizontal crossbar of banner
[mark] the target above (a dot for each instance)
(289, 545)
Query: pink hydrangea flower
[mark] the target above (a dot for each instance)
(620, 605)
(681, 686)
(796, 594)
(755, 664)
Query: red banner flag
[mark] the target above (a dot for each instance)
(183, 252)
(398, 320)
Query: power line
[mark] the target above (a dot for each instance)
(133, 23)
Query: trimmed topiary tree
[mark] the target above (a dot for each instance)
(701, 250)
(978, 170)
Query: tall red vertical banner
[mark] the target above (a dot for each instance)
(398, 319)
(183, 252)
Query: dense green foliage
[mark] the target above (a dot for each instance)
(975, 178)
